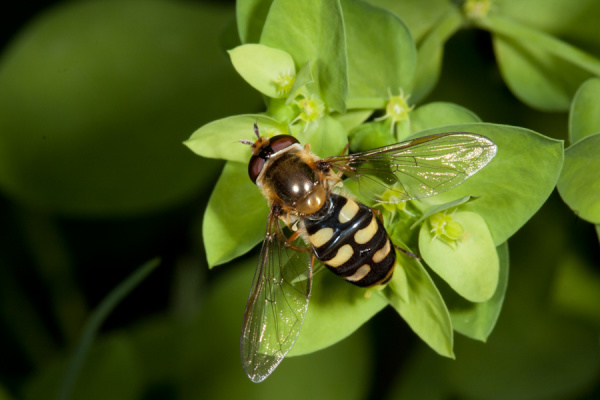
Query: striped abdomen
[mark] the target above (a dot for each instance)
(352, 242)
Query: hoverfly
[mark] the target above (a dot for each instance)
(342, 233)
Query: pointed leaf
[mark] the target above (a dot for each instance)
(430, 54)
(250, 17)
(542, 70)
(381, 53)
(425, 311)
(538, 78)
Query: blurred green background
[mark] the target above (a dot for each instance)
(96, 98)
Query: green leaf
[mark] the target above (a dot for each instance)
(371, 135)
(381, 53)
(353, 118)
(539, 79)
(576, 21)
(250, 17)
(433, 115)
(326, 139)
(584, 118)
(579, 183)
(261, 66)
(93, 128)
(541, 70)
(424, 311)
(221, 138)
(421, 16)
(477, 320)
(235, 217)
(468, 264)
(431, 52)
(336, 310)
(312, 30)
(515, 184)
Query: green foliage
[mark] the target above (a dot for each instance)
(352, 66)
(579, 183)
(198, 358)
(91, 122)
(94, 324)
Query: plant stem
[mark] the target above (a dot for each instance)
(95, 322)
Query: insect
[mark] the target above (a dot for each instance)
(345, 235)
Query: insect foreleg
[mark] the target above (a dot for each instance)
(292, 239)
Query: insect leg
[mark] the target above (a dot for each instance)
(292, 239)
(408, 253)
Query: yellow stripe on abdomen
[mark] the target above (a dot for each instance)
(348, 211)
(364, 235)
(382, 253)
(343, 254)
(359, 274)
(321, 237)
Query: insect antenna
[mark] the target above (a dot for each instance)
(256, 130)
(246, 141)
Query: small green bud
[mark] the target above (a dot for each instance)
(397, 109)
(394, 202)
(476, 9)
(444, 227)
(284, 83)
(311, 109)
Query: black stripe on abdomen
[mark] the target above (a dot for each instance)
(352, 242)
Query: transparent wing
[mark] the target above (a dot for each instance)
(277, 303)
(416, 168)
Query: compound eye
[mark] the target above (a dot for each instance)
(281, 142)
(255, 165)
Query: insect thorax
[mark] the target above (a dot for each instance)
(294, 183)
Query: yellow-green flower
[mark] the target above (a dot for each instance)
(397, 109)
(311, 109)
(284, 84)
(444, 227)
(475, 9)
